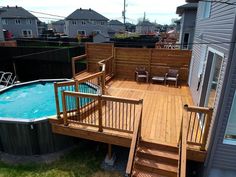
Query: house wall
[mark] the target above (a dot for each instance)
(59, 28)
(16, 29)
(117, 28)
(89, 27)
(188, 26)
(144, 29)
(216, 29)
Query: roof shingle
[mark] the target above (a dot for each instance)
(15, 12)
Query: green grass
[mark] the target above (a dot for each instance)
(84, 161)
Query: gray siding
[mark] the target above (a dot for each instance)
(72, 30)
(16, 29)
(216, 29)
(188, 25)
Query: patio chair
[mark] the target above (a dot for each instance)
(173, 76)
(141, 73)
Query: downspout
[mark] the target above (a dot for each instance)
(217, 127)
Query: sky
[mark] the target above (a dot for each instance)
(158, 11)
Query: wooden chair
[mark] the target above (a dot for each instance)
(141, 73)
(172, 75)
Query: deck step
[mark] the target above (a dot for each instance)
(161, 156)
(138, 173)
(164, 147)
(152, 166)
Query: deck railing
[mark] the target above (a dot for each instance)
(198, 123)
(134, 144)
(75, 61)
(104, 112)
(108, 66)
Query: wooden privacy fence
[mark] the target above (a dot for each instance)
(103, 112)
(122, 62)
(156, 61)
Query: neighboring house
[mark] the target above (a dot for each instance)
(85, 22)
(116, 25)
(42, 27)
(58, 26)
(212, 81)
(178, 26)
(188, 14)
(129, 27)
(19, 22)
(145, 27)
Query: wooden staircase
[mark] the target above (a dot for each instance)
(155, 160)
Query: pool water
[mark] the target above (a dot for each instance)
(32, 101)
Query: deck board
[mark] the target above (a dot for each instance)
(162, 111)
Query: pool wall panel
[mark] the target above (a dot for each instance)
(34, 138)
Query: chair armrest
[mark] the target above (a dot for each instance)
(166, 75)
(177, 76)
(147, 72)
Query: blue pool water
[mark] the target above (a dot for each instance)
(31, 101)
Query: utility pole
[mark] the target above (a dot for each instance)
(124, 11)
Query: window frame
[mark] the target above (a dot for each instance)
(17, 21)
(27, 31)
(206, 10)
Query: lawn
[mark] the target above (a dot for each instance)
(80, 162)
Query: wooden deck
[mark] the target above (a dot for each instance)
(162, 109)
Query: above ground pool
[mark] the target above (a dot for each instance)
(33, 100)
(24, 125)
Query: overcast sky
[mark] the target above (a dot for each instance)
(156, 10)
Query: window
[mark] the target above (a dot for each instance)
(230, 132)
(102, 23)
(81, 32)
(206, 9)
(74, 22)
(29, 22)
(27, 33)
(4, 22)
(17, 21)
(83, 22)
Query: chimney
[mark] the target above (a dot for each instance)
(8, 6)
(16, 7)
(80, 8)
(89, 9)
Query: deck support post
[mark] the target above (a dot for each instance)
(110, 158)
(77, 99)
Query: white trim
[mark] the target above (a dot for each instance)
(214, 51)
(81, 34)
(28, 35)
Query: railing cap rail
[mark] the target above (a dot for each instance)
(198, 109)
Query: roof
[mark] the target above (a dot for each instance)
(115, 22)
(190, 6)
(59, 22)
(84, 14)
(145, 23)
(15, 12)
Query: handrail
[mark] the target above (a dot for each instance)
(74, 59)
(183, 147)
(134, 143)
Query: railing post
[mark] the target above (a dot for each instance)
(64, 108)
(103, 82)
(57, 100)
(77, 99)
(73, 67)
(100, 113)
(206, 129)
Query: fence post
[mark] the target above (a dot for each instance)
(100, 113)
(57, 100)
(64, 108)
(206, 129)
